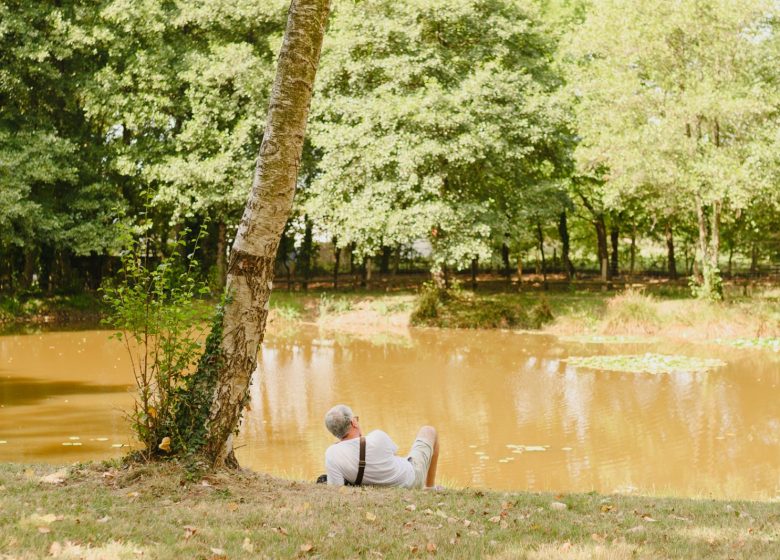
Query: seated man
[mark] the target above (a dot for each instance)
(383, 466)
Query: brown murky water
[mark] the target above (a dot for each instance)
(716, 434)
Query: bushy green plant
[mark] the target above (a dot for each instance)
(426, 306)
(155, 306)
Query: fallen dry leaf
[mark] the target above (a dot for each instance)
(165, 444)
(606, 508)
(495, 519)
(410, 507)
(104, 519)
(306, 548)
(503, 524)
(413, 549)
(565, 546)
(218, 554)
(189, 531)
(466, 522)
(44, 530)
(280, 530)
(370, 516)
(247, 545)
(55, 549)
(431, 548)
(55, 478)
(598, 538)
(47, 519)
(232, 506)
(559, 506)
(647, 518)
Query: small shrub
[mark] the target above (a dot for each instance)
(155, 309)
(456, 308)
(426, 308)
(10, 309)
(631, 312)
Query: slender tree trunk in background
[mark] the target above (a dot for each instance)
(306, 254)
(671, 260)
(540, 237)
(47, 268)
(368, 268)
(632, 251)
(505, 260)
(563, 231)
(221, 252)
(702, 221)
(731, 258)
(250, 271)
(614, 236)
(384, 263)
(474, 269)
(396, 260)
(754, 259)
(519, 270)
(715, 233)
(601, 240)
(336, 262)
(30, 261)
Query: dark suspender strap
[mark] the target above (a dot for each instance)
(362, 462)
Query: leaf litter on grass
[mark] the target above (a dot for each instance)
(646, 363)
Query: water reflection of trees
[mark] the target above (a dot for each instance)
(489, 389)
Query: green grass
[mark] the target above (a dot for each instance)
(160, 512)
(56, 309)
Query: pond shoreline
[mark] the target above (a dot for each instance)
(103, 509)
(587, 316)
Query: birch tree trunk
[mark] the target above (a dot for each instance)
(251, 266)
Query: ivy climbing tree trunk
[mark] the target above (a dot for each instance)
(251, 266)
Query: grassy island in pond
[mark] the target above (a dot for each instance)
(162, 512)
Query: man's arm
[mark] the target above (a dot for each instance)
(335, 478)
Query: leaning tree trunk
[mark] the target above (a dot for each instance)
(251, 267)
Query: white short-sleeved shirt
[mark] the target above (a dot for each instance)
(383, 466)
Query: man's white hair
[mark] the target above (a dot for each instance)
(338, 420)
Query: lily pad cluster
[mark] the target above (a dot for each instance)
(608, 339)
(647, 363)
(761, 343)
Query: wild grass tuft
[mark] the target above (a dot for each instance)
(631, 312)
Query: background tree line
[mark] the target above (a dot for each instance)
(493, 130)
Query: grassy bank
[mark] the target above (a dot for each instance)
(650, 311)
(61, 309)
(161, 512)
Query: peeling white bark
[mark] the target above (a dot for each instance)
(250, 270)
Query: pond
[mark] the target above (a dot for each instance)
(512, 412)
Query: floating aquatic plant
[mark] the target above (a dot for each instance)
(647, 363)
(608, 339)
(761, 343)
